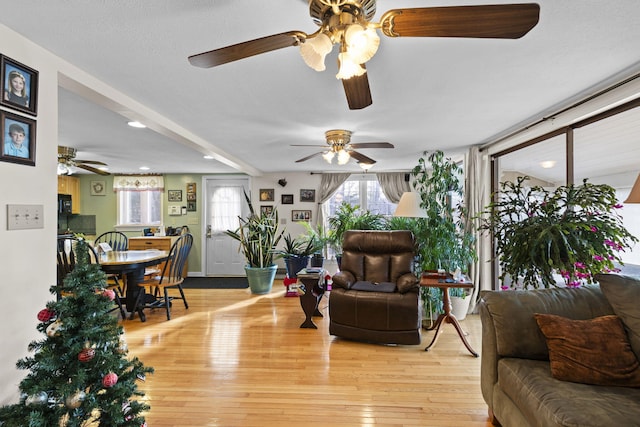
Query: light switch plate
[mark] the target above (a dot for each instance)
(24, 217)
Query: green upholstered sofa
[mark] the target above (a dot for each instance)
(516, 378)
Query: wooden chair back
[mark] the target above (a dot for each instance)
(116, 239)
(172, 272)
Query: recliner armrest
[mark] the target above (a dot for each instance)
(343, 279)
(407, 282)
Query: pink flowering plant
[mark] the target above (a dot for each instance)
(574, 232)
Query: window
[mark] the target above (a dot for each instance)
(139, 199)
(139, 207)
(362, 190)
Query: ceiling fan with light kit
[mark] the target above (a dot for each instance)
(341, 147)
(348, 24)
(67, 161)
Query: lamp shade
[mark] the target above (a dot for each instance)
(634, 195)
(409, 206)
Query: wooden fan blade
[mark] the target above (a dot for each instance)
(502, 21)
(357, 91)
(309, 157)
(361, 157)
(246, 49)
(91, 162)
(372, 145)
(92, 169)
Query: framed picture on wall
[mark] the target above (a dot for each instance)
(266, 210)
(301, 215)
(98, 188)
(19, 86)
(174, 195)
(18, 139)
(307, 195)
(266, 195)
(287, 199)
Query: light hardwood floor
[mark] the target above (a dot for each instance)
(236, 359)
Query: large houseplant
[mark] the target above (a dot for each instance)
(258, 234)
(443, 239)
(565, 236)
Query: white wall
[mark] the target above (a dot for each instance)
(28, 256)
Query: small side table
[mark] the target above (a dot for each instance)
(313, 283)
(447, 316)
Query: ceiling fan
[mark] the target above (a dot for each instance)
(340, 146)
(67, 160)
(347, 23)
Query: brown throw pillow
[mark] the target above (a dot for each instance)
(594, 351)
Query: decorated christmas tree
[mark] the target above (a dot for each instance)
(79, 373)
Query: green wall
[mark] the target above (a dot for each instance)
(104, 208)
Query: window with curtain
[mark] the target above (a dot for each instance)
(139, 200)
(362, 190)
(225, 208)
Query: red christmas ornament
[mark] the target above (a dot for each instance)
(86, 354)
(45, 315)
(109, 294)
(109, 380)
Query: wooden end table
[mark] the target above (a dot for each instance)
(313, 283)
(444, 285)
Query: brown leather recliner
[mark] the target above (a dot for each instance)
(375, 296)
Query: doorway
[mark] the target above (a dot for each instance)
(224, 203)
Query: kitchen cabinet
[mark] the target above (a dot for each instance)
(70, 185)
(162, 243)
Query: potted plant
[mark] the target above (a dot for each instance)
(444, 242)
(258, 235)
(561, 237)
(321, 238)
(296, 253)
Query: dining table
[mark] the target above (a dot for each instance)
(132, 264)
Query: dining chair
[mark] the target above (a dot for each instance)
(118, 241)
(67, 257)
(171, 277)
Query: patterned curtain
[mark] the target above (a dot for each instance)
(138, 183)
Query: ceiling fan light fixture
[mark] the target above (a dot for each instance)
(362, 42)
(314, 50)
(63, 169)
(365, 166)
(328, 156)
(348, 67)
(343, 157)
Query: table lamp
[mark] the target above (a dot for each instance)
(634, 195)
(409, 206)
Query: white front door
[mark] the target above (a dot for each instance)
(225, 201)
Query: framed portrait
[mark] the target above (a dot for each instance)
(266, 195)
(286, 199)
(191, 206)
(98, 188)
(174, 195)
(266, 210)
(18, 139)
(191, 187)
(301, 215)
(307, 195)
(19, 86)
(191, 197)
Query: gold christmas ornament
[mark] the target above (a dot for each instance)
(75, 400)
(53, 330)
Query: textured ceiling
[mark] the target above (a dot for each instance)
(427, 93)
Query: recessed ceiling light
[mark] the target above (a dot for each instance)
(548, 164)
(144, 168)
(136, 124)
(208, 157)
